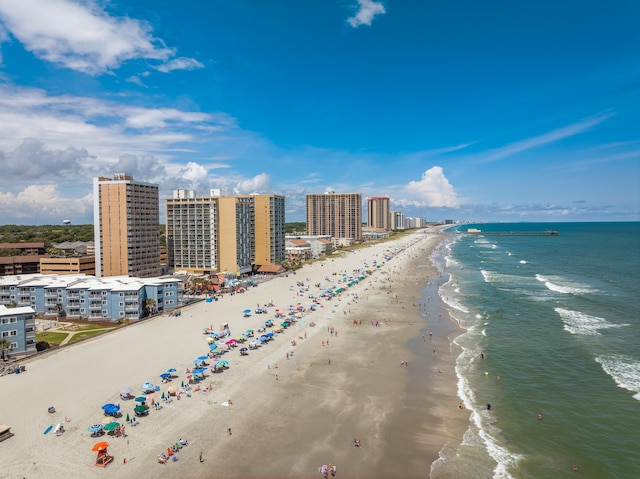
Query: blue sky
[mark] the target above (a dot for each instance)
(494, 111)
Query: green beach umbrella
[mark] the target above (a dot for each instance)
(128, 417)
(111, 426)
(162, 395)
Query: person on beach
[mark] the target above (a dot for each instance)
(200, 458)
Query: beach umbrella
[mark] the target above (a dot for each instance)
(128, 419)
(108, 406)
(246, 311)
(146, 386)
(230, 342)
(126, 391)
(243, 350)
(249, 331)
(140, 399)
(107, 420)
(100, 446)
(213, 347)
(95, 428)
(171, 370)
(269, 335)
(165, 375)
(203, 358)
(173, 389)
(199, 370)
(138, 410)
(162, 395)
(182, 384)
(111, 426)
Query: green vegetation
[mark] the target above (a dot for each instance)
(53, 338)
(299, 227)
(48, 234)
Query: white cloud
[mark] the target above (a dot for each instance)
(367, 10)
(80, 36)
(433, 189)
(43, 202)
(545, 138)
(257, 184)
(181, 63)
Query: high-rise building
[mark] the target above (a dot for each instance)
(338, 215)
(126, 227)
(216, 233)
(397, 220)
(378, 212)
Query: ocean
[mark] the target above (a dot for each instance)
(551, 326)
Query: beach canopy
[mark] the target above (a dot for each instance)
(100, 446)
(110, 408)
(138, 410)
(112, 425)
(126, 391)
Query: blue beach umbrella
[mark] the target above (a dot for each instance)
(171, 370)
(165, 375)
(203, 358)
(95, 428)
(213, 347)
(246, 311)
(140, 399)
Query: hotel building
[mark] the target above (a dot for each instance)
(338, 215)
(127, 227)
(214, 234)
(378, 212)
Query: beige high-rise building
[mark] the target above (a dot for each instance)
(126, 227)
(378, 212)
(216, 233)
(338, 215)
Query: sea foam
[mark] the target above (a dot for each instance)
(624, 370)
(577, 322)
(560, 285)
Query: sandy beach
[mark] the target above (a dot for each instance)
(343, 380)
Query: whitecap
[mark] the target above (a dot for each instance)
(523, 261)
(624, 370)
(561, 285)
(577, 322)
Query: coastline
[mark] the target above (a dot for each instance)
(285, 421)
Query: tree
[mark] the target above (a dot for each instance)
(149, 306)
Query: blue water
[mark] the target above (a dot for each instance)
(557, 319)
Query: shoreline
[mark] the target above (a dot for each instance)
(282, 426)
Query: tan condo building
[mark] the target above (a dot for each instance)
(338, 215)
(378, 212)
(217, 234)
(126, 227)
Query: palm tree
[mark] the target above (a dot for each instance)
(5, 344)
(149, 306)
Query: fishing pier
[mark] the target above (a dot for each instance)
(476, 232)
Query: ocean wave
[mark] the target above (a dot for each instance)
(560, 285)
(454, 304)
(624, 370)
(577, 322)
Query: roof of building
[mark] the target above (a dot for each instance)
(271, 268)
(298, 242)
(21, 245)
(83, 281)
(4, 311)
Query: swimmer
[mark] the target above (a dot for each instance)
(574, 468)
(539, 415)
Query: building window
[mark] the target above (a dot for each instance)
(121, 304)
(13, 346)
(7, 334)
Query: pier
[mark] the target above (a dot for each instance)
(511, 233)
